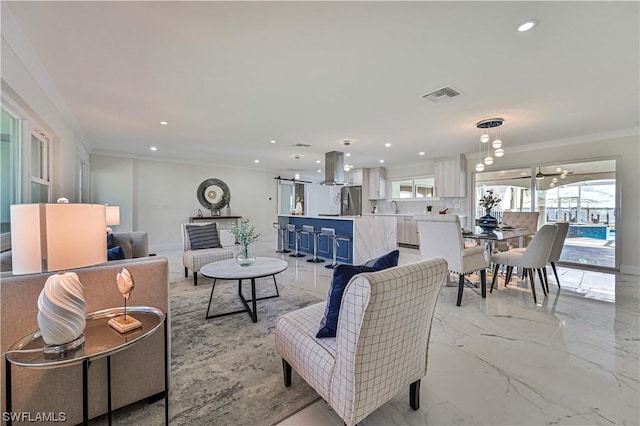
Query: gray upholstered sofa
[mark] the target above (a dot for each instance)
(134, 244)
(137, 372)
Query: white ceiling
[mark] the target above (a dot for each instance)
(231, 76)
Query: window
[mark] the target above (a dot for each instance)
(9, 173)
(412, 188)
(40, 182)
(585, 194)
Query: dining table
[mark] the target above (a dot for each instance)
(498, 234)
(501, 233)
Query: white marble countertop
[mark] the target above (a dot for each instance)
(405, 214)
(388, 214)
(320, 217)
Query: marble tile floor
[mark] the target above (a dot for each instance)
(571, 359)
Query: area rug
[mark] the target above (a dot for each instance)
(225, 371)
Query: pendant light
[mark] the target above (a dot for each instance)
(479, 165)
(486, 126)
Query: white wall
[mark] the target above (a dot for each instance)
(157, 196)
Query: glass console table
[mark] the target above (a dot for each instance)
(100, 341)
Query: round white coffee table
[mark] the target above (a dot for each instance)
(230, 270)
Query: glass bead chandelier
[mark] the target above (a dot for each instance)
(487, 127)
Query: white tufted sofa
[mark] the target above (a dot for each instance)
(193, 260)
(381, 344)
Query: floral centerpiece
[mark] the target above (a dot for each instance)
(245, 235)
(488, 201)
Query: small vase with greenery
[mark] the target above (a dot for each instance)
(226, 198)
(245, 235)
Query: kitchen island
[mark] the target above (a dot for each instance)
(368, 236)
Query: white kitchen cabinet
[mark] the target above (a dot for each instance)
(355, 177)
(378, 183)
(451, 177)
(407, 231)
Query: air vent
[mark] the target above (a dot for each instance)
(442, 94)
(301, 145)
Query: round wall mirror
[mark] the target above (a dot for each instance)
(212, 194)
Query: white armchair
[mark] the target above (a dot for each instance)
(381, 343)
(193, 260)
(441, 236)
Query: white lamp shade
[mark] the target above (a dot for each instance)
(113, 215)
(55, 237)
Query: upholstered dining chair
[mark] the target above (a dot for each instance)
(528, 220)
(441, 236)
(381, 343)
(533, 258)
(556, 251)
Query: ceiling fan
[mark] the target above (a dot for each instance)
(538, 176)
(541, 175)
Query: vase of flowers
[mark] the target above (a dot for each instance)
(245, 235)
(488, 201)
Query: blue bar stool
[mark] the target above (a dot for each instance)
(309, 229)
(331, 233)
(292, 228)
(283, 240)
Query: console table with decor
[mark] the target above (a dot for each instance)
(100, 341)
(224, 222)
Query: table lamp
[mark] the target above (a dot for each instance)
(56, 237)
(113, 215)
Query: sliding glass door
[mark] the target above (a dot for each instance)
(585, 194)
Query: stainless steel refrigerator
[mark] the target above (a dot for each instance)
(351, 201)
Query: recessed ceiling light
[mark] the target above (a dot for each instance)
(421, 153)
(272, 141)
(319, 170)
(387, 144)
(558, 169)
(296, 176)
(256, 161)
(317, 161)
(382, 161)
(348, 155)
(153, 148)
(527, 25)
(164, 123)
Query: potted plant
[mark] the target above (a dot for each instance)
(245, 235)
(429, 207)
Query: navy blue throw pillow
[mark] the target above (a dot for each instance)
(115, 253)
(388, 260)
(111, 241)
(341, 276)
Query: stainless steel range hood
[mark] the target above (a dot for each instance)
(333, 168)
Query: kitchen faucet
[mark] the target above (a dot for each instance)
(395, 204)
